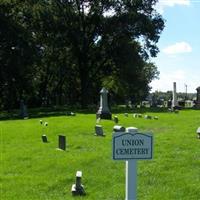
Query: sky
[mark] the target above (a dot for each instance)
(179, 57)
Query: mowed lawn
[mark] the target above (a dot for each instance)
(32, 170)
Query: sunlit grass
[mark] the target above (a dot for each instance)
(32, 170)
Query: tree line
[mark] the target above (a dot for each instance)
(55, 52)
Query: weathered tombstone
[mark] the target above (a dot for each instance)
(104, 112)
(174, 100)
(118, 128)
(99, 130)
(44, 138)
(116, 120)
(126, 114)
(23, 110)
(198, 133)
(147, 117)
(197, 104)
(71, 114)
(78, 188)
(62, 142)
(135, 115)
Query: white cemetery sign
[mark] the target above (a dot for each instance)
(127, 146)
(132, 146)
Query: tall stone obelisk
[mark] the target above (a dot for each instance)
(174, 100)
(197, 104)
(104, 112)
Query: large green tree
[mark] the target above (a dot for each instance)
(82, 45)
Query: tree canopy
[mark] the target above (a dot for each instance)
(64, 51)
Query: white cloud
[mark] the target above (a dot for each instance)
(180, 76)
(162, 4)
(177, 48)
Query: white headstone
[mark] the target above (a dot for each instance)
(174, 100)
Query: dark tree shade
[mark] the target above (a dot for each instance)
(63, 52)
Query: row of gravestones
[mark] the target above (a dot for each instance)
(135, 115)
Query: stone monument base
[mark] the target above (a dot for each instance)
(104, 115)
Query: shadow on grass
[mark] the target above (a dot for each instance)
(64, 111)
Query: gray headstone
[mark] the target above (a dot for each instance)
(62, 142)
(104, 112)
(99, 130)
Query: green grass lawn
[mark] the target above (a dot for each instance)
(32, 170)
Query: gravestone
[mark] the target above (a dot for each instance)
(44, 138)
(78, 188)
(116, 120)
(135, 115)
(197, 105)
(104, 112)
(62, 142)
(99, 130)
(23, 110)
(118, 128)
(71, 114)
(174, 100)
(126, 114)
(148, 117)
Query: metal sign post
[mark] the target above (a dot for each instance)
(131, 180)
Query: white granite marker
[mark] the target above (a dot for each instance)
(174, 100)
(132, 146)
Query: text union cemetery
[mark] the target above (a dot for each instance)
(93, 156)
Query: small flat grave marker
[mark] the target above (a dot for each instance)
(62, 142)
(118, 128)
